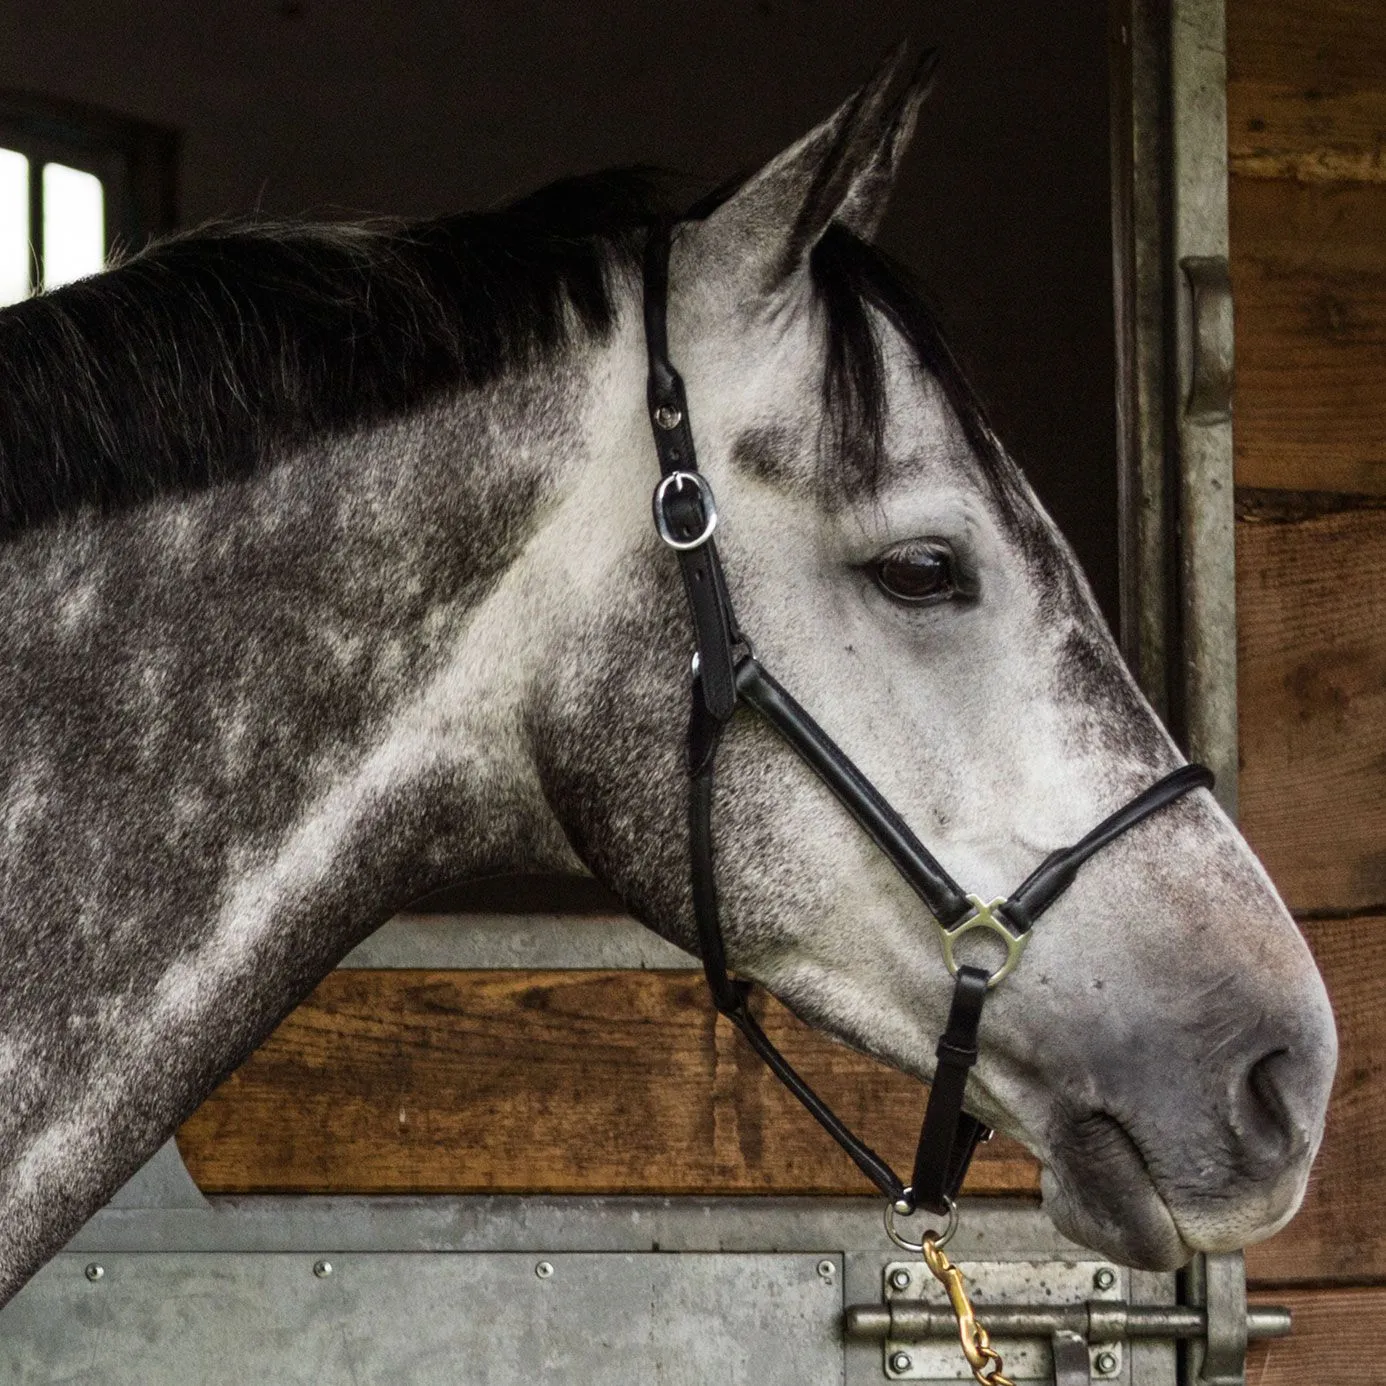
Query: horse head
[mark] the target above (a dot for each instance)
(1167, 1047)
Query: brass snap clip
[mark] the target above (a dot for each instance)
(984, 1360)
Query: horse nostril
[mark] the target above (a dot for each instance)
(1264, 1111)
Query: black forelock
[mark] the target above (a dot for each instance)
(851, 277)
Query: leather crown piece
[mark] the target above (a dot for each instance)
(727, 676)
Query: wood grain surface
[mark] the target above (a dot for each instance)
(1309, 279)
(561, 1082)
(587, 1082)
(1339, 1336)
(1337, 1235)
(1311, 595)
(1306, 89)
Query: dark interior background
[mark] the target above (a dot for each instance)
(421, 106)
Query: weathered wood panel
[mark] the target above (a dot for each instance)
(1337, 1234)
(1309, 276)
(585, 1082)
(1306, 89)
(561, 1082)
(1339, 1336)
(1311, 593)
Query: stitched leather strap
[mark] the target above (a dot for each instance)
(684, 502)
(731, 997)
(1055, 873)
(945, 898)
(949, 1136)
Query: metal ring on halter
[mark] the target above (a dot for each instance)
(984, 916)
(940, 1240)
(676, 480)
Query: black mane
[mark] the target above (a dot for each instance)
(196, 360)
(184, 366)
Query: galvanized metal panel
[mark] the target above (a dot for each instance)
(730, 1240)
(549, 941)
(427, 1319)
(1202, 352)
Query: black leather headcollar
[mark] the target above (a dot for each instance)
(727, 675)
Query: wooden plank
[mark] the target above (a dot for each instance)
(1338, 1336)
(396, 1082)
(1306, 89)
(1309, 277)
(561, 1082)
(1340, 1232)
(1311, 595)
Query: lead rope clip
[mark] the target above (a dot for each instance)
(984, 1359)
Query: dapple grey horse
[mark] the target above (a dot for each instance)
(329, 578)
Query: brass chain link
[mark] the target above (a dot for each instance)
(984, 1360)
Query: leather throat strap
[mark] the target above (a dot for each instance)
(728, 675)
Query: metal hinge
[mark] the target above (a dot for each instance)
(1064, 1321)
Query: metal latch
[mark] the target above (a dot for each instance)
(1064, 1321)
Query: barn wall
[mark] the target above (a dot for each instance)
(1307, 122)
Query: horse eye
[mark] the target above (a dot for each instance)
(918, 573)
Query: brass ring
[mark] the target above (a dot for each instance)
(984, 916)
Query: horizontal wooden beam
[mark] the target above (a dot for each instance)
(1338, 1336)
(1337, 1234)
(557, 1082)
(1311, 677)
(617, 1082)
(1306, 89)
(1309, 279)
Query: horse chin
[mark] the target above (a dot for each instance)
(1100, 1194)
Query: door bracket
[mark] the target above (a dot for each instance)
(1064, 1321)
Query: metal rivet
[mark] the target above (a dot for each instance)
(666, 416)
(1106, 1363)
(94, 1272)
(1105, 1278)
(322, 1269)
(900, 1362)
(827, 1269)
(544, 1269)
(900, 1278)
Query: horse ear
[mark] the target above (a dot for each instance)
(842, 171)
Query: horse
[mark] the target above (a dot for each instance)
(329, 580)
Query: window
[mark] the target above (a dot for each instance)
(74, 184)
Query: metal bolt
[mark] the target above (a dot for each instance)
(1106, 1363)
(827, 1269)
(1105, 1278)
(900, 1278)
(322, 1269)
(666, 416)
(94, 1272)
(544, 1269)
(900, 1362)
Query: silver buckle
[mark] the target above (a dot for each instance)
(984, 916)
(677, 480)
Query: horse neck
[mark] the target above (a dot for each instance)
(238, 729)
